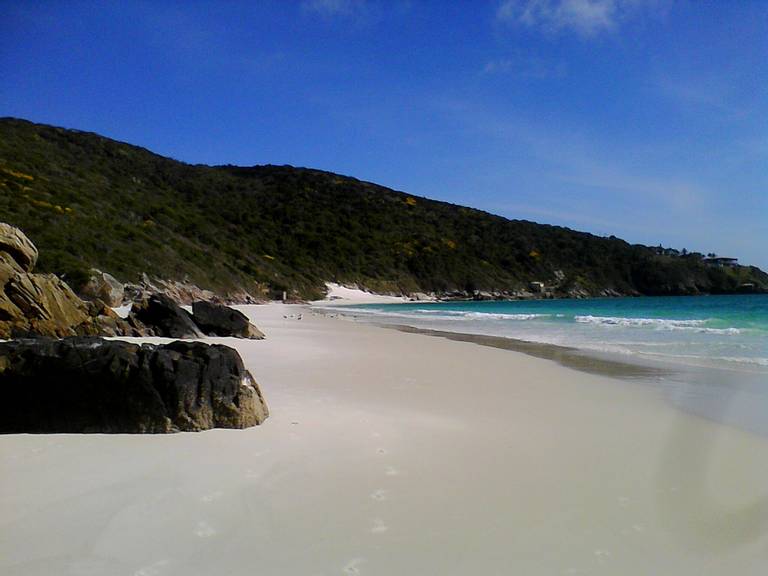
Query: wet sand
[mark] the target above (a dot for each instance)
(563, 355)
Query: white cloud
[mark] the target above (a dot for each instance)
(526, 67)
(585, 17)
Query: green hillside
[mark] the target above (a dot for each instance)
(89, 201)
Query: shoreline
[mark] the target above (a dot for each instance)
(702, 393)
(584, 360)
(592, 344)
(389, 452)
(376, 298)
(727, 395)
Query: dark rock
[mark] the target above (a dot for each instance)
(86, 384)
(139, 327)
(421, 296)
(480, 295)
(164, 317)
(219, 320)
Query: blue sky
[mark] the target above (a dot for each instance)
(646, 119)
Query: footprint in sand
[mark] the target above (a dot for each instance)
(392, 471)
(378, 526)
(152, 570)
(602, 555)
(212, 497)
(379, 494)
(204, 530)
(352, 566)
(381, 451)
(252, 474)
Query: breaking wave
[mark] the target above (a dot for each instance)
(618, 321)
(465, 315)
(657, 323)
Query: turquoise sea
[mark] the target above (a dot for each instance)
(701, 330)
(714, 348)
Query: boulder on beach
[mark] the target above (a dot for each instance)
(220, 320)
(164, 317)
(87, 384)
(104, 287)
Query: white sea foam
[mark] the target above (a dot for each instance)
(744, 360)
(488, 316)
(439, 312)
(724, 331)
(755, 361)
(473, 315)
(427, 314)
(656, 322)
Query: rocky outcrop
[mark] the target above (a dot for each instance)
(421, 297)
(43, 304)
(48, 305)
(14, 242)
(179, 292)
(164, 317)
(219, 320)
(33, 304)
(104, 287)
(183, 292)
(93, 385)
(103, 321)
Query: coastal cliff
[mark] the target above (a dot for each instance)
(90, 202)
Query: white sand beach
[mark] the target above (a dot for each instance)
(389, 453)
(345, 295)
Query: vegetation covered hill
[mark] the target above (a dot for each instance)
(88, 201)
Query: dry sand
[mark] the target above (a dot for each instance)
(396, 454)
